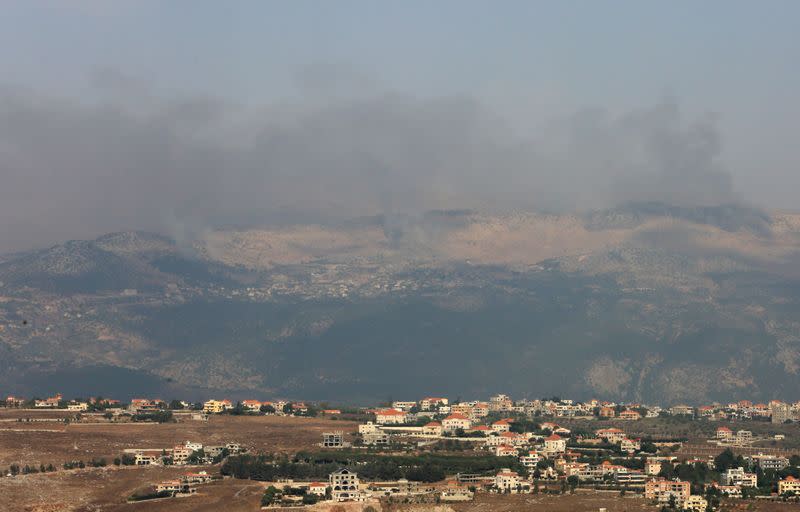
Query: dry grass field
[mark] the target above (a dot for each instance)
(42, 442)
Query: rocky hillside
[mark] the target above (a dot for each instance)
(645, 302)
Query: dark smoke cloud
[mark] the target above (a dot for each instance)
(132, 160)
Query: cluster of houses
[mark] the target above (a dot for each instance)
(181, 454)
(775, 411)
(344, 485)
(552, 452)
(185, 485)
(278, 407)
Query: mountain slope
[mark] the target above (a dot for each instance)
(644, 303)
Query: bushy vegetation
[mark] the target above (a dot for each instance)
(156, 417)
(421, 468)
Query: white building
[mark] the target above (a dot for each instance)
(455, 422)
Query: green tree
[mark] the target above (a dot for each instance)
(271, 495)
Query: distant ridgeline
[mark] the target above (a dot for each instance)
(648, 303)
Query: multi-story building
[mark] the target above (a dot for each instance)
(695, 504)
(662, 490)
(344, 485)
(390, 417)
(724, 434)
(612, 435)
(774, 462)
(555, 444)
(403, 406)
(739, 477)
(333, 439)
(530, 459)
(789, 485)
(510, 481)
(378, 438)
(434, 428)
(216, 406)
(781, 412)
(743, 437)
(500, 403)
(430, 403)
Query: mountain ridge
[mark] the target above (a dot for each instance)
(678, 307)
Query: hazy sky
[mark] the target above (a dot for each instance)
(152, 115)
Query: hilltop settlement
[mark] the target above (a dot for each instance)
(438, 450)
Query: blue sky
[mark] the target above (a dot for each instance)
(528, 62)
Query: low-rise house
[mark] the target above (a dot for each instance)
(731, 491)
(607, 412)
(681, 410)
(78, 406)
(146, 405)
(501, 426)
(251, 405)
(456, 421)
(695, 504)
(318, 488)
(48, 403)
(530, 459)
(453, 491)
(612, 435)
(630, 415)
(390, 417)
(505, 450)
(434, 428)
(515, 439)
(789, 485)
(482, 429)
(148, 457)
(174, 487)
(13, 401)
(201, 477)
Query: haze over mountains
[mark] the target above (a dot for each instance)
(648, 301)
(347, 200)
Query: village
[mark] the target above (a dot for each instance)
(435, 450)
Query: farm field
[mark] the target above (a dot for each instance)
(43, 442)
